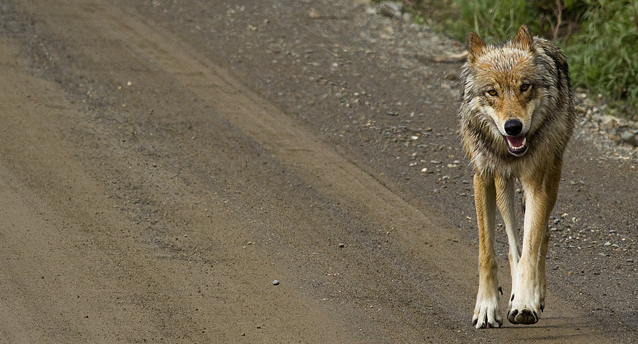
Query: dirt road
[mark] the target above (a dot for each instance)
(163, 163)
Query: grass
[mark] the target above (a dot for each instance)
(604, 53)
(600, 37)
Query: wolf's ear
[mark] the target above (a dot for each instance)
(524, 39)
(475, 46)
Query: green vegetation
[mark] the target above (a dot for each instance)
(494, 20)
(604, 52)
(600, 37)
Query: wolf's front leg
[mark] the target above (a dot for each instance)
(528, 284)
(486, 310)
(528, 292)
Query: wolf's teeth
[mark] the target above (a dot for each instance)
(512, 145)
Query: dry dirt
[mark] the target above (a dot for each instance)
(162, 163)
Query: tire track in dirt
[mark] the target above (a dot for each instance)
(81, 269)
(58, 228)
(412, 306)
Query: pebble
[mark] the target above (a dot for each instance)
(619, 129)
(314, 14)
(607, 122)
(275, 282)
(390, 9)
(629, 138)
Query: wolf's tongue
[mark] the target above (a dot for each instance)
(516, 142)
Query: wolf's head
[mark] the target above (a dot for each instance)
(504, 85)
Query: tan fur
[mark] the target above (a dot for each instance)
(517, 116)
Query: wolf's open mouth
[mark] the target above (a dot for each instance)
(516, 145)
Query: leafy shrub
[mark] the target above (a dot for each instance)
(494, 21)
(600, 37)
(604, 53)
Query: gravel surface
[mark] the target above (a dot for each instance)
(164, 161)
(372, 85)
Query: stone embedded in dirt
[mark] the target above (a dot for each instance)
(629, 138)
(608, 122)
(314, 14)
(275, 282)
(390, 9)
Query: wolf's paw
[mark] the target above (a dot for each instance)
(486, 315)
(523, 313)
(525, 316)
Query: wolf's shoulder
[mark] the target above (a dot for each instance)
(551, 50)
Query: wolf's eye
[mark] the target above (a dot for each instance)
(525, 87)
(492, 93)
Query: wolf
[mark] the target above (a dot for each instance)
(516, 117)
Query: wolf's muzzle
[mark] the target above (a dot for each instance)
(516, 143)
(513, 127)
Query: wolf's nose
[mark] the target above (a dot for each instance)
(513, 127)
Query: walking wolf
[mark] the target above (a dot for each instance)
(517, 115)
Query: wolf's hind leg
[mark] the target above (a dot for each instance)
(505, 201)
(552, 194)
(486, 309)
(541, 269)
